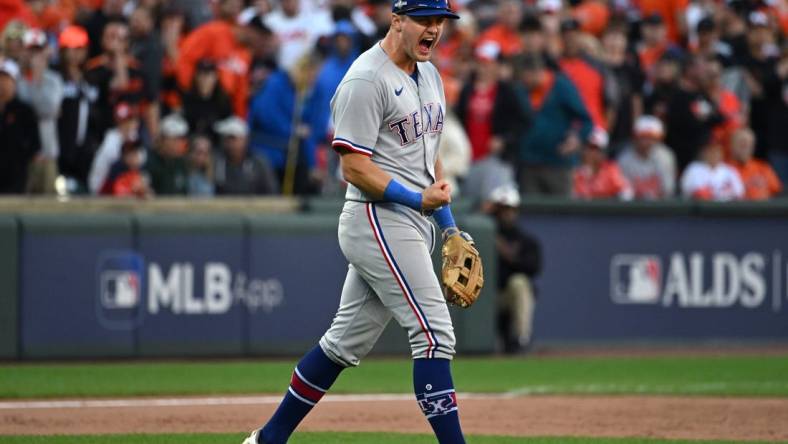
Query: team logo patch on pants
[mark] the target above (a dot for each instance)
(438, 403)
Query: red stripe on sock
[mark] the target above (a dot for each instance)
(304, 390)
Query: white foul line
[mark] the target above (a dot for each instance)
(210, 401)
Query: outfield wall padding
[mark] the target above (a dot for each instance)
(65, 261)
(9, 301)
(154, 285)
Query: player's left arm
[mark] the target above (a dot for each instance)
(462, 274)
(443, 216)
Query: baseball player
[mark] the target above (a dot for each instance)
(388, 113)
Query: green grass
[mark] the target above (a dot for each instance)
(326, 438)
(727, 375)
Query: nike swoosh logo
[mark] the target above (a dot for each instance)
(398, 91)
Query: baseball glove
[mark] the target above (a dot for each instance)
(462, 273)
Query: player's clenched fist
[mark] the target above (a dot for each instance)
(436, 195)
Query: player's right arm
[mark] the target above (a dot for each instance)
(357, 110)
(359, 170)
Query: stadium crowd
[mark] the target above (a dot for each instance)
(617, 99)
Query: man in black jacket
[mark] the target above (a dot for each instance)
(691, 113)
(519, 262)
(18, 131)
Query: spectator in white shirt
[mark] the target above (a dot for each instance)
(298, 29)
(647, 163)
(709, 178)
(126, 129)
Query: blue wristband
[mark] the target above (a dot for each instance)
(396, 192)
(444, 217)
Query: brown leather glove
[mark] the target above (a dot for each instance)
(462, 273)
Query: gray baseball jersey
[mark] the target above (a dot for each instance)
(382, 112)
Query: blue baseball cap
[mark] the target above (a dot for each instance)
(423, 8)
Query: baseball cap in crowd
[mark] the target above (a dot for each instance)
(232, 126)
(488, 51)
(653, 19)
(73, 37)
(174, 125)
(344, 27)
(423, 8)
(549, 6)
(14, 30)
(125, 111)
(570, 24)
(758, 19)
(506, 195)
(34, 38)
(598, 138)
(649, 126)
(9, 68)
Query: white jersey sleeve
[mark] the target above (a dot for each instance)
(357, 112)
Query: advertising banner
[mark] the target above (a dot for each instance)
(661, 278)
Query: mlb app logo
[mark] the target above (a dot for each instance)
(635, 279)
(120, 289)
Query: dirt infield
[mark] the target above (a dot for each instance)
(602, 416)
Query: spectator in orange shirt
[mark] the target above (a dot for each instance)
(454, 55)
(226, 43)
(593, 16)
(654, 45)
(585, 73)
(504, 31)
(598, 177)
(760, 180)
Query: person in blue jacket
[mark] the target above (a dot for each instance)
(344, 49)
(559, 126)
(286, 123)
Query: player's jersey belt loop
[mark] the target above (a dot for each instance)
(377, 230)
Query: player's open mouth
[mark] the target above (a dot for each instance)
(425, 44)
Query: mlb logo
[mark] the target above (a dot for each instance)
(120, 289)
(635, 279)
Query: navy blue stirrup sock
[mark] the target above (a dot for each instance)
(435, 394)
(312, 377)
